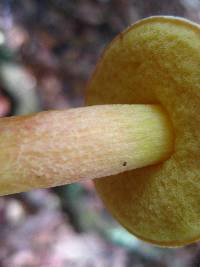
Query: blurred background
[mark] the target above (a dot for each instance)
(48, 50)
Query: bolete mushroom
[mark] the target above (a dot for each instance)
(146, 134)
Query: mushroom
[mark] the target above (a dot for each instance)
(141, 133)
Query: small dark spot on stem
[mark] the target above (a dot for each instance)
(125, 163)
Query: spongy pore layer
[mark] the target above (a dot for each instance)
(157, 60)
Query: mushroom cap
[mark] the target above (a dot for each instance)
(156, 61)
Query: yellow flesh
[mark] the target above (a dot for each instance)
(59, 147)
(156, 61)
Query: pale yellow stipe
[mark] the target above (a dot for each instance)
(59, 147)
(157, 60)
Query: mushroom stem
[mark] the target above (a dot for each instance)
(60, 147)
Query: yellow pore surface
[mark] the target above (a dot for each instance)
(157, 60)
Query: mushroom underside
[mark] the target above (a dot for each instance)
(157, 60)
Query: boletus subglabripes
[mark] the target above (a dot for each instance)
(141, 133)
